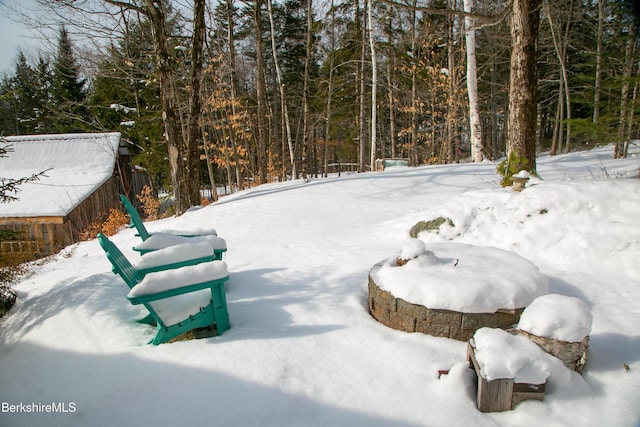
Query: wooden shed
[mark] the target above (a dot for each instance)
(81, 185)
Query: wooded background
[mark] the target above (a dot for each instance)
(261, 91)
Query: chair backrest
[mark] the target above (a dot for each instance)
(120, 263)
(134, 216)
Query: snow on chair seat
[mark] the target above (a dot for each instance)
(164, 240)
(137, 223)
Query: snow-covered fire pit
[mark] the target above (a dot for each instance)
(451, 289)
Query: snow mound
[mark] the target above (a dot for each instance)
(557, 316)
(464, 278)
(413, 249)
(501, 355)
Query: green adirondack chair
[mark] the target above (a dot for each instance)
(160, 240)
(178, 299)
(163, 259)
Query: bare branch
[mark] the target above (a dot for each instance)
(493, 19)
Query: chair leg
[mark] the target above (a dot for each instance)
(219, 300)
(205, 317)
(147, 320)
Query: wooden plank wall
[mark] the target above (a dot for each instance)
(36, 240)
(95, 208)
(42, 236)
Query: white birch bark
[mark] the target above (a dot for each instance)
(475, 138)
(285, 112)
(374, 84)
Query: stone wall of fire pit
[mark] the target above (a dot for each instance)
(405, 316)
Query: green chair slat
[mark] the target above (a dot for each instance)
(137, 223)
(134, 217)
(174, 265)
(142, 299)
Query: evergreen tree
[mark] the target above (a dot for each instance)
(124, 96)
(23, 98)
(67, 90)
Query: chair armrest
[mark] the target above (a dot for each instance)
(141, 299)
(163, 282)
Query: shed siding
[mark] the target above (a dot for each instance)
(42, 236)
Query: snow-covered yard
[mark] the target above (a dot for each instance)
(302, 348)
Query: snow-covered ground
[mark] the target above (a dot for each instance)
(302, 348)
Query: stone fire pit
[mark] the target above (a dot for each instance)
(451, 289)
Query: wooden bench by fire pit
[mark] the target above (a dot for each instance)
(501, 394)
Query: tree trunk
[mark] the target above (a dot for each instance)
(631, 115)
(560, 47)
(178, 149)
(234, 97)
(261, 95)
(374, 86)
(212, 179)
(413, 144)
(195, 106)
(283, 98)
(305, 92)
(391, 84)
(450, 151)
(521, 134)
(327, 129)
(624, 102)
(472, 87)
(362, 151)
(598, 78)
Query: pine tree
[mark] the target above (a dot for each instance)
(124, 96)
(67, 90)
(22, 101)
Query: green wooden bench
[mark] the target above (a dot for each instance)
(179, 298)
(160, 240)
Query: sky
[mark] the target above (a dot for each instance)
(303, 349)
(14, 36)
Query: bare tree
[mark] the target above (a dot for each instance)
(305, 91)
(625, 103)
(598, 77)
(561, 44)
(521, 137)
(182, 133)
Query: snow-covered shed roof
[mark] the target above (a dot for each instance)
(76, 164)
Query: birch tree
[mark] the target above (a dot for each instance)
(475, 124)
(283, 98)
(361, 28)
(374, 85)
